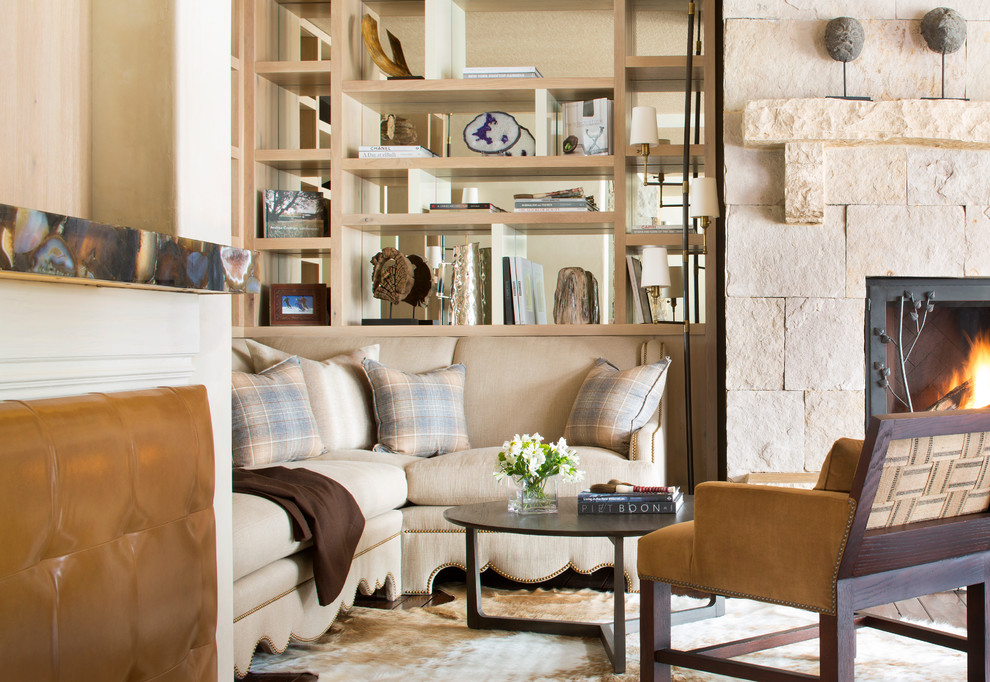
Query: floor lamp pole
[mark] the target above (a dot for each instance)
(688, 436)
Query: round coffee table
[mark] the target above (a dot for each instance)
(495, 516)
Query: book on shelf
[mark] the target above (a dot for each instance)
(588, 127)
(656, 229)
(524, 293)
(642, 312)
(296, 214)
(572, 193)
(539, 292)
(508, 302)
(501, 72)
(394, 152)
(472, 207)
(555, 209)
(630, 503)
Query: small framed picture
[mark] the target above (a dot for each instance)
(299, 304)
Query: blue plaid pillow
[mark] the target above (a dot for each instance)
(612, 405)
(419, 414)
(271, 416)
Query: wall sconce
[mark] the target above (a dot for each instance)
(656, 276)
(703, 199)
(675, 289)
(644, 131)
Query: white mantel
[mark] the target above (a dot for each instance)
(804, 127)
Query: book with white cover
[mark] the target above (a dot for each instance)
(394, 152)
(528, 299)
(518, 302)
(501, 72)
(539, 292)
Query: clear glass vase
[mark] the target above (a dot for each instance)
(533, 496)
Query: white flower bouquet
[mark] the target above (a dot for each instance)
(531, 463)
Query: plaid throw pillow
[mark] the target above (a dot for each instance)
(271, 417)
(612, 405)
(419, 414)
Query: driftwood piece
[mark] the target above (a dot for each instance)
(575, 300)
(396, 66)
(398, 130)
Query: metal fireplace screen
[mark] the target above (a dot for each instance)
(920, 334)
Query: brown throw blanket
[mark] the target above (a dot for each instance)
(321, 509)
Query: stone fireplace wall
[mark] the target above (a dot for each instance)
(794, 308)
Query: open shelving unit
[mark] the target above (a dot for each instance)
(288, 54)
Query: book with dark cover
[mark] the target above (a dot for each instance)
(483, 207)
(630, 503)
(508, 315)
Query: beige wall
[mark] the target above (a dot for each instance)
(58, 339)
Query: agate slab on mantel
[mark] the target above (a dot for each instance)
(39, 245)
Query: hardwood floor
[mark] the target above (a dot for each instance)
(944, 608)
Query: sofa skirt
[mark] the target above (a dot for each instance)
(430, 544)
(295, 612)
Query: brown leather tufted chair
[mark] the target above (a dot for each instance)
(898, 516)
(107, 538)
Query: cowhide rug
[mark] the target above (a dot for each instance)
(434, 643)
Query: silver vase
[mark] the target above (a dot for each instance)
(467, 285)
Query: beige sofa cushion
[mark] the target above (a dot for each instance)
(263, 531)
(339, 393)
(466, 477)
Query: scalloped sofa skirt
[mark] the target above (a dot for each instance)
(406, 541)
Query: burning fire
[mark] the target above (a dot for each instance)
(976, 373)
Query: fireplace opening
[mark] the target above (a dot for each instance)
(927, 344)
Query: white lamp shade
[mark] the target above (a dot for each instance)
(676, 287)
(643, 127)
(656, 270)
(434, 256)
(703, 198)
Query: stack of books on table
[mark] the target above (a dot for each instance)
(501, 72)
(643, 500)
(474, 207)
(563, 200)
(394, 152)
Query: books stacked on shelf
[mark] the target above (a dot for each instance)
(588, 127)
(523, 291)
(473, 207)
(643, 500)
(394, 152)
(568, 200)
(501, 72)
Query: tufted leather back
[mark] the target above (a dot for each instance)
(107, 538)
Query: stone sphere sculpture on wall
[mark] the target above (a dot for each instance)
(944, 30)
(844, 39)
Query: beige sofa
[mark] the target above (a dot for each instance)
(512, 385)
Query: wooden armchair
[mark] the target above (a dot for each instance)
(898, 516)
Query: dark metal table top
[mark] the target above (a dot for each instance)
(495, 516)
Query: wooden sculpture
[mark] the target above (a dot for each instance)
(396, 66)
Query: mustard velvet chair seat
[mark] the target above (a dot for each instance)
(897, 516)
